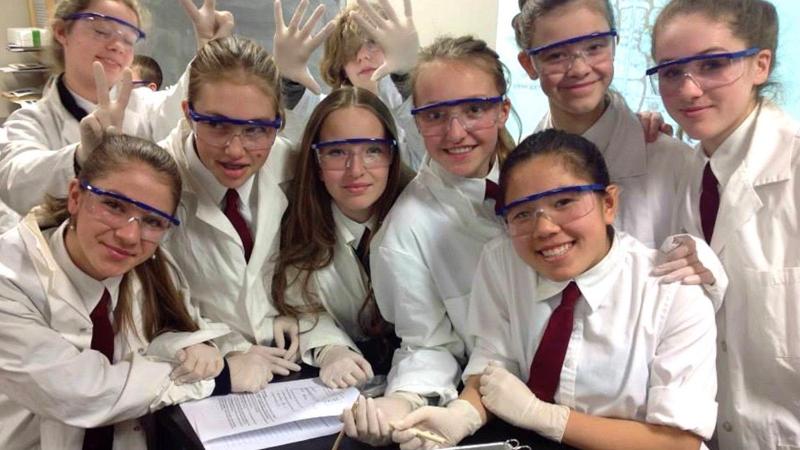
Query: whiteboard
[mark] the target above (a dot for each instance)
(170, 37)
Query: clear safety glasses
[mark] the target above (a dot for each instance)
(559, 206)
(473, 113)
(107, 28)
(558, 57)
(706, 71)
(117, 211)
(219, 131)
(340, 154)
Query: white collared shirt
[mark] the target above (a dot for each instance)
(350, 228)
(217, 191)
(90, 290)
(639, 349)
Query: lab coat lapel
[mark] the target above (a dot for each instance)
(271, 205)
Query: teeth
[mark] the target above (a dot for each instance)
(557, 251)
(459, 150)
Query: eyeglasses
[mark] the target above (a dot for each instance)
(560, 206)
(140, 83)
(473, 113)
(117, 211)
(558, 57)
(707, 72)
(107, 28)
(339, 154)
(219, 131)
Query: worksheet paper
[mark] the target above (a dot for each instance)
(283, 412)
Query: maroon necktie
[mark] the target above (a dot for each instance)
(101, 438)
(493, 192)
(362, 251)
(233, 214)
(709, 202)
(546, 366)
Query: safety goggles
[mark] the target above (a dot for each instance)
(140, 83)
(558, 57)
(117, 211)
(340, 154)
(107, 28)
(559, 206)
(707, 71)
(473, 113)
(219, 131)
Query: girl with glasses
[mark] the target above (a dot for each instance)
(97, 326)
(575, 338)
(740, 192)
(86, 32)
(347, 176)
(355, 54)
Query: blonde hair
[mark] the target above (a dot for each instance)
(342, 46)
(163, 307)
(235, 59)
(65, 8)
(475, 53)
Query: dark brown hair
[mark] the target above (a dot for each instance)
(530, 10)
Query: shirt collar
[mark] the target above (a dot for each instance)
(472, 188)
(88, 288)
(350, 230)
(600, 132)
(733, 150)
(209, 182)
(595, 284)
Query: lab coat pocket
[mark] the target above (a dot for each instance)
(774, 297)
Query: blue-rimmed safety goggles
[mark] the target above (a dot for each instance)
(539, 195)
(143, 206)
(729, 55)
(338, 154)
(455, 102)
(602, 34)
(474, 113)
(137, 32)
(218, 119)
(323, 144)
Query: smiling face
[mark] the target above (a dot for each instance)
(711, 115)
(232, 164)
(101, 251)
(577, 96)
(466, 153)
(356, 188)
(83, 46)
(561, 252)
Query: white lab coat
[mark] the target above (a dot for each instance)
(639, 349)
(42, 140)
(53, 386)
(208, 250)
(647, 174)
(758, 240)
(423, 260)
(8, 217)
(341, 288)
(412, 146)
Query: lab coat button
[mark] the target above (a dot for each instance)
(723, 346)
(83, 330)
(141, 351)
(727, 426)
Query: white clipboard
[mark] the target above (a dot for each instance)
(511, 444)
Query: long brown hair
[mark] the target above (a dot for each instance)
(163, 307)
(474, 52)
(308, 232)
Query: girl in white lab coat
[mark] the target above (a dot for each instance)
(94, 316)
(654, 385)
(84, 32)
(741, 192)
(355, 54)
(234, 173)
(569, 46)
(347, 176)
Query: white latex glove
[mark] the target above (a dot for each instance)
(283, 327)
(275, 358)
(208, 23)
(292, 46)
(455, 422)
(108, 117)
(368, 420)
(340, 367)
(510, 399)
(249, 371)
(682, 263)
(397, 36)
(198, 362)
(653, 125)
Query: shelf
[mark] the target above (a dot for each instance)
(17, 49)
(20, 71)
